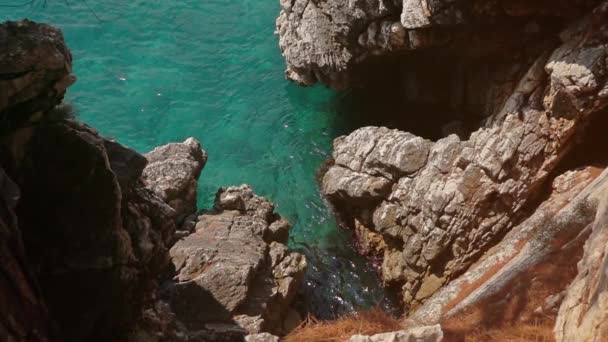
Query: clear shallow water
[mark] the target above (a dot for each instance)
(155, 71)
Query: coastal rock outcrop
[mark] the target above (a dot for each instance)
(172, 173)
(235, 268)
(584, 311)
(556, 230)
(331, 41)
(95, 237)
(440, 205)
(35, 70)
(86, 225)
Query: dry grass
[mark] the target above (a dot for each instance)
(521, 333)
(369, 322)
(541, 330)
(508, 316)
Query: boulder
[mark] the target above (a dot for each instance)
(172, 173)
(23, 312)
(235, 268)
(35, 71)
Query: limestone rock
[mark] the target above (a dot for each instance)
(326, 41)
(555, 225)
(422, 334)
(94, 244)
(583, 315)
(233, 268)
(443, 204)
(172, 173)
(263, 337)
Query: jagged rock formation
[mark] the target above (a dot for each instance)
(86, 224)
(237, 261)
(327, 41)
(172, 173)
(35, 70)
(584, 311)
(95, 238)
(440, 205)
(558, 225)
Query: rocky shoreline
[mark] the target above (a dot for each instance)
(457, 219)
(100, 243)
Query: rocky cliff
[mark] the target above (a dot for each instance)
(95, 237)
(512, 190)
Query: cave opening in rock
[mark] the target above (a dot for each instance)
(449, 88)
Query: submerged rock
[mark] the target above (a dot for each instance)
(235, 268)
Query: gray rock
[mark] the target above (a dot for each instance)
(325, 41)
(263, 337)
(583, 314)
(443, 204)
(569, 210)
(232, 269)
(172, 173)
(417, 334)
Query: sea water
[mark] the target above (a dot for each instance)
(157, 71)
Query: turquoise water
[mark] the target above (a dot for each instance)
(155, 71)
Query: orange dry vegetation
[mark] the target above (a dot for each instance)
(370, 322)
(536, 332)
(507, 316)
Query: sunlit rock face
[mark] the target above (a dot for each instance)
(324, 41)
(440, 205)
(236, 261)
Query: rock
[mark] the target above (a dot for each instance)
(552, 228)
(23, 312)
(126, 163)
(583, 314)
(443, 204)
(330, 41)
(172, 173)
(81, 235)
(93, 244)
(35, 71)
(263, 337)
(232, 269)
(422, 334)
